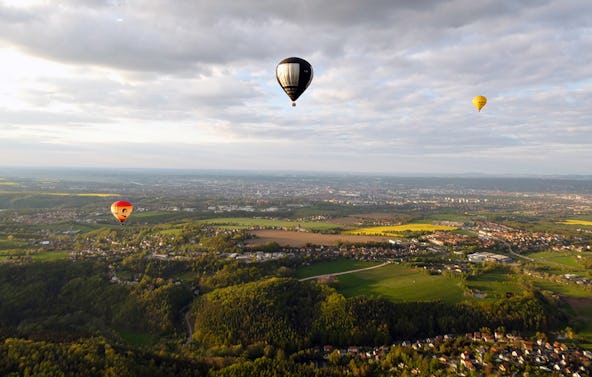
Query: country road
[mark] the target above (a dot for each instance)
(344, 272)
(512, 251)
(538, 260)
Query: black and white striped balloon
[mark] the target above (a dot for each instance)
(294, 76)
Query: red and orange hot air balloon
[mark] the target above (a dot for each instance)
(121, 210)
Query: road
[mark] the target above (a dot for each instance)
(344, 272)
(512, 251)
(538, 260)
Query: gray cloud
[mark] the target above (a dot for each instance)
(393, 81)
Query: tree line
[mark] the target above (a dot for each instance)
(290, 314)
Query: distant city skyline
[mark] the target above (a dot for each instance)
(191, 85)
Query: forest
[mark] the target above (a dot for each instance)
(183, 293)
(69, 318)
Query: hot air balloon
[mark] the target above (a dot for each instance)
(294, 76)
(121, 210)
(479, 102)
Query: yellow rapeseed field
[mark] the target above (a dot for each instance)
(397, 229)
(577, 222)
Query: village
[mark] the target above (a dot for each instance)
(481, 352)
(494, 243)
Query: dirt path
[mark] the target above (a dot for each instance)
(189, 327)
(344, 272)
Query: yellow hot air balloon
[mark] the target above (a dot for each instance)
(121, 210)
(479, 102)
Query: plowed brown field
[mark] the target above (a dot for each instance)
(299, 239)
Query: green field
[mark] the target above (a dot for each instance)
(6, 244)
(331, 267)
(563, 289)
(584, 312)
(573, 293)
(494, 284)
(563, 258)
(245, 223)
(137, 338)
(43, 193)
(46, 256)
(51, 256)
(157, 217)
(455, 217)
(401, 284)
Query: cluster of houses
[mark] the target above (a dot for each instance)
(496, 353)
(520, 240)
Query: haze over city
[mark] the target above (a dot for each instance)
(158, 84)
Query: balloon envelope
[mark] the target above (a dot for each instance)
(294, 76)
(121, 210)
(479, 102)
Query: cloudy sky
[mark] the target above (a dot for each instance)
(191, 84)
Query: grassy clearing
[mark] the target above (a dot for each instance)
(563, 289)
(137, 338)
(7, 254)
(69, 227)
(158, 217)
(495, 284)
(246, 223)
(395, 230)
(586, 329)
(46, 256)
(455, 217)
(332, 267)
(563, 258)
(6, 244)
(170, 232)
(582, 308)
(41, 193)
(51, 256)
(401, 284)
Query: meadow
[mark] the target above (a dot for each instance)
(247, 223)
(582, 308)
(563, 289)
(495, 284)
(171, 219)
(331, 267)
(137, 338)
(567, 259)
(50, 256)
(400, 283)
(395, 282)
(8, 244)
(39, 193)
(45, 256)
